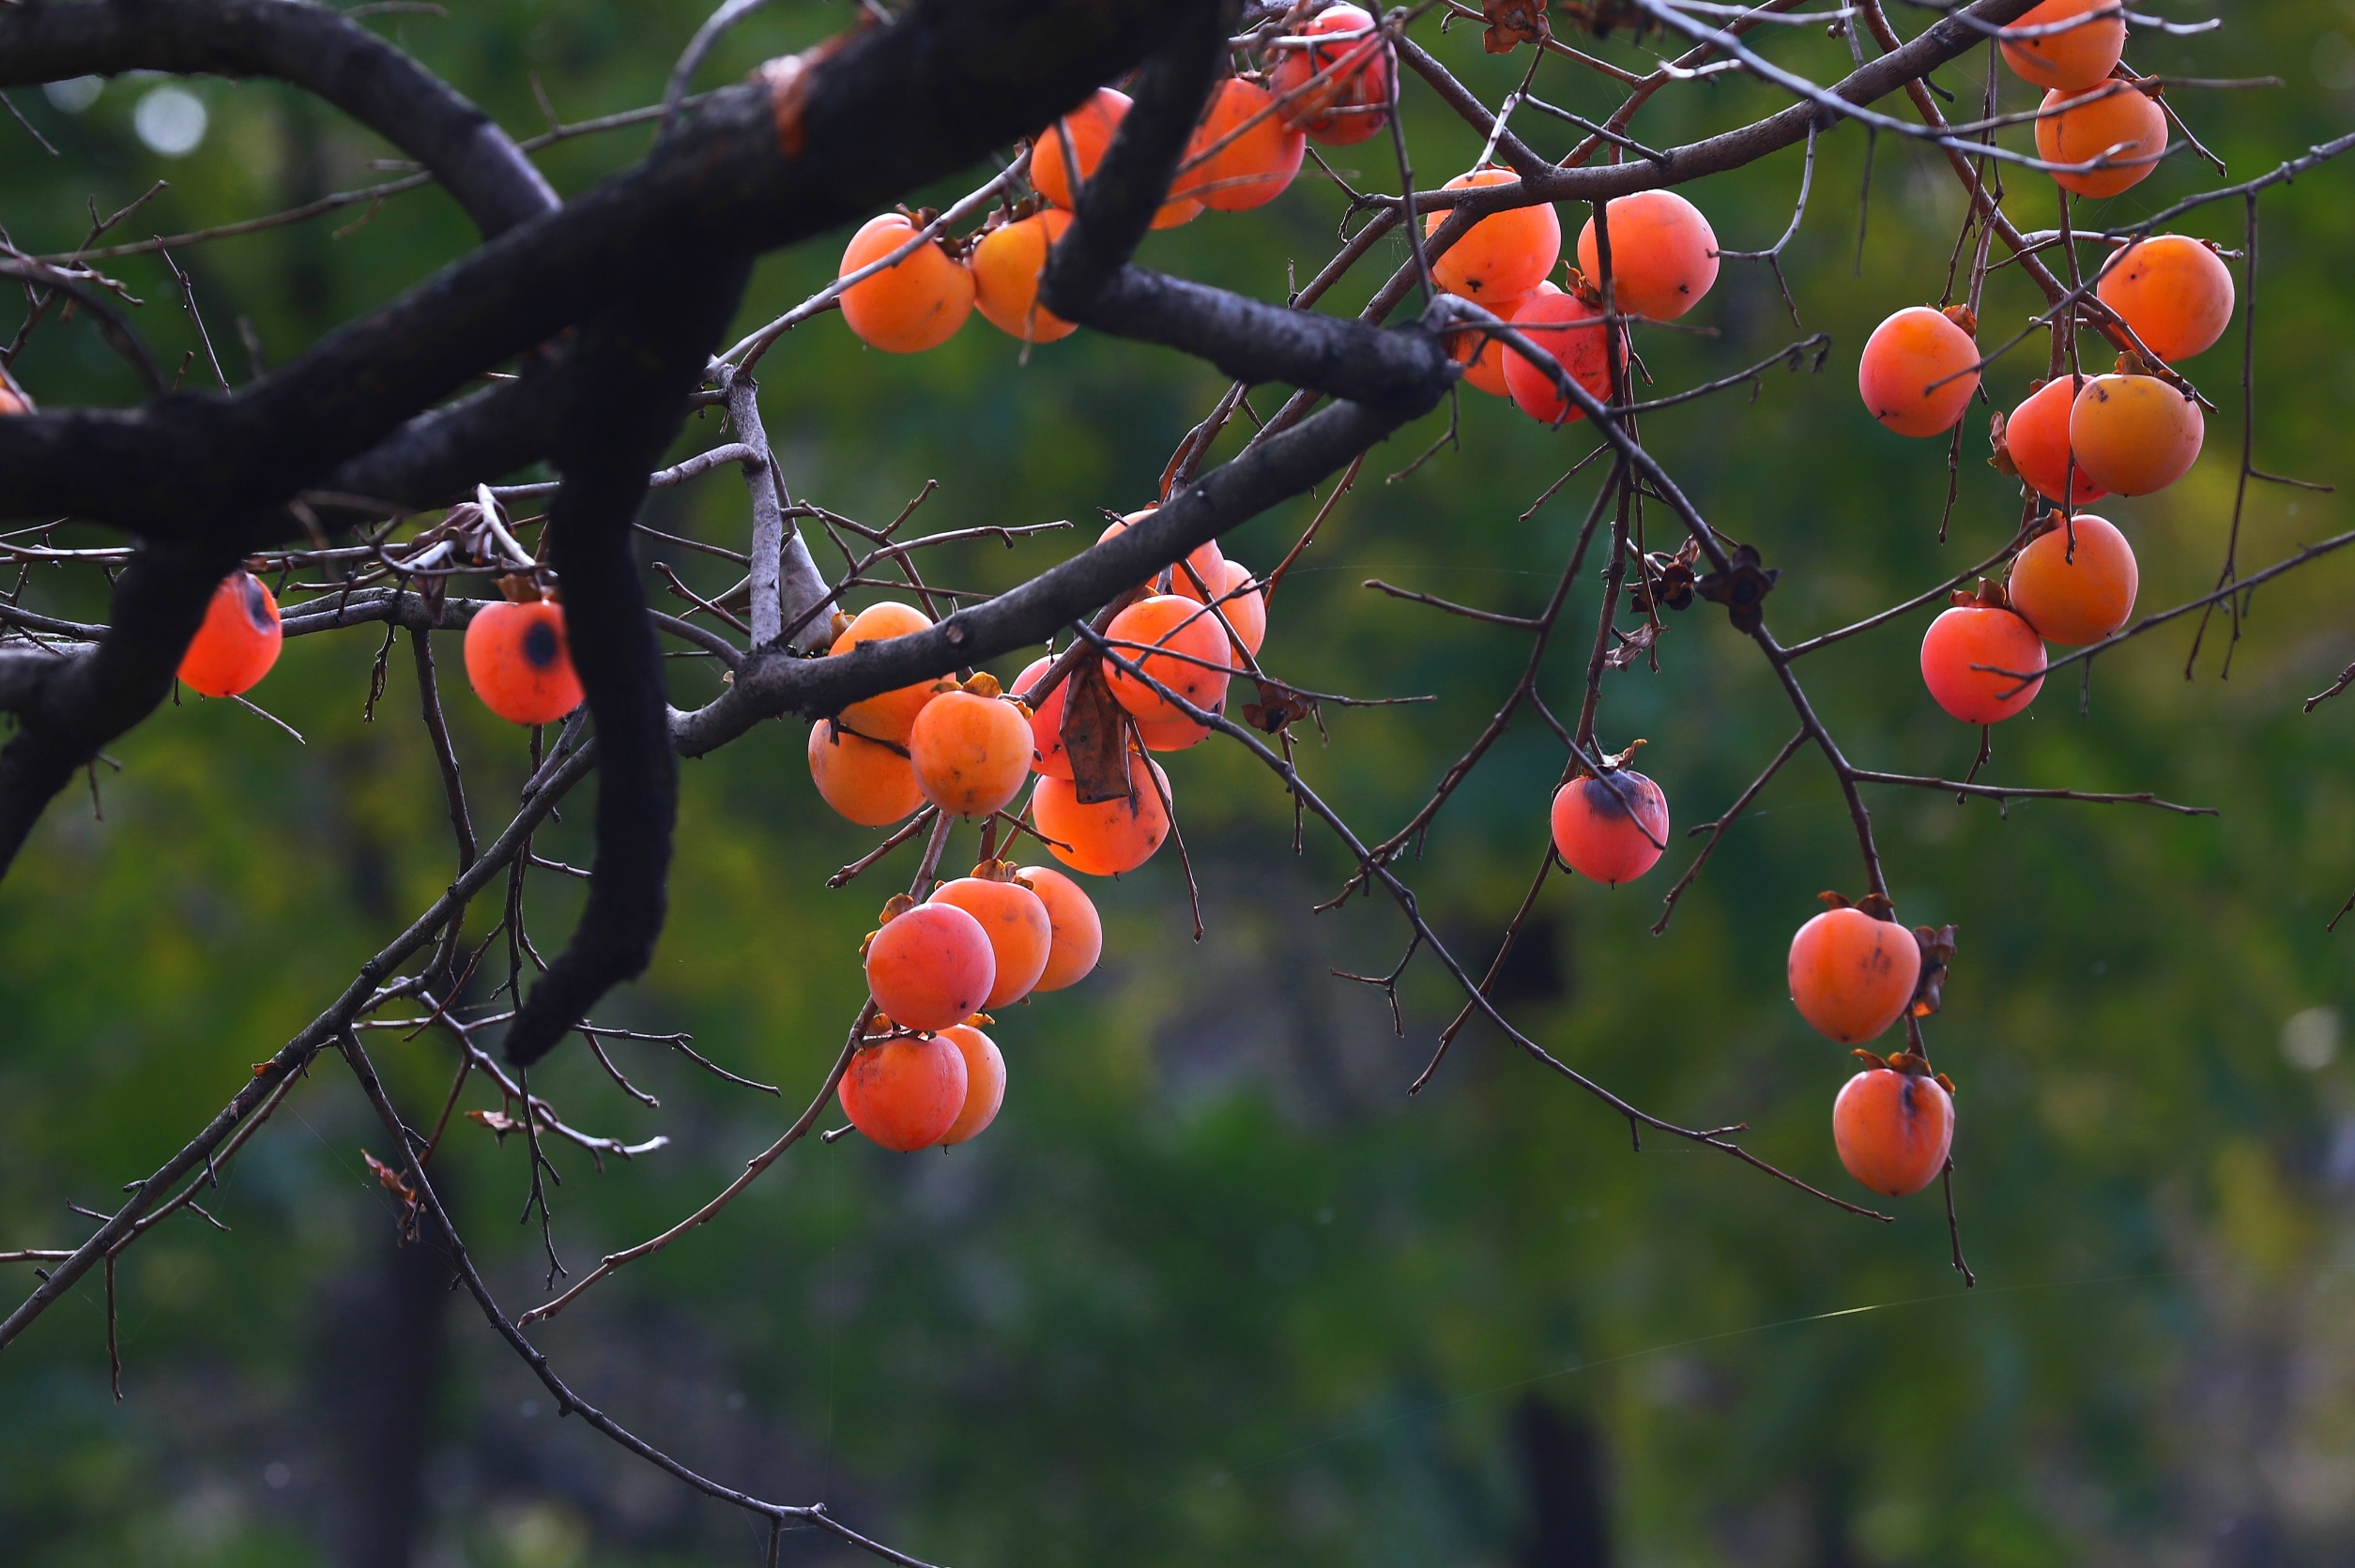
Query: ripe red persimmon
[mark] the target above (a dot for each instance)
(1260, 156)
(865, 781)
(1919, 371)
(1610, 829)
(1091, 128)
(1893, 1129)
(1852, 976)
(2135, 434)
(1176, 642)
(1244, 604)
(240, 640)
(905, 1093)
(2080, 598)
(1502, 256)
(888, 715)
(1014, 920)
(2109, 120)
(2076, 57)
(985, 1083)
(2037, 437)
(930, 966)
(917, 302)
(1005, 266)
(1109, 837)
(970, 749)
(1483, 356)
(1572, 331)
(1663, 254)
(1046, 720)
(1079, 932)
(520, 663)
(1964, 655)
(2174, 291)
(1205, 559)
(1354, 101)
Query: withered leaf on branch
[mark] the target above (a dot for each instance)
(497, 1122)
(1512, 23)
(1632, 645)
(1277, 706)
(1937, 955)
(394, 1182)
(1096, 735)
(1742, 589)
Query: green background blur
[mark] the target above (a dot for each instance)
(1214, 1288)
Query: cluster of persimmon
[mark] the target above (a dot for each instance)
(517, 657)
(1330, 83)
(927, 1074)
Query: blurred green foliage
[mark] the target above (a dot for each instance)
(1214, 1288)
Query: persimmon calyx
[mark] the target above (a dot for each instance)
(1964, 317)
(897, 906)
(1999, 456)
(1876, 905)
(1990, 595)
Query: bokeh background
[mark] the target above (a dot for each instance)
(1214, 1288)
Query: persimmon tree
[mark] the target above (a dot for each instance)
(373, 483)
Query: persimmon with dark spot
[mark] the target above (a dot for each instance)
(1104, 838)
(905, 1093)
(918, 302)
(520, 662)
(2110, 120)
(2073, 58)
(985, 1083)
(1260, 156)
(1973, 658)
(1173, 640)
(1610, 828)
(1570, 329)
(1337, 88)
(1006, 264)
(1078, 931)
(239, 639)
(1482, 354)
(1894, 1127)
(2136, 434)
(930, 965)
(1663, 254)
(1919, 370)
(1502, 256)
(2075, 584)
(2037, 437)
(865, 781)
(1015, 921)
(2176, 293)
(970, 748)
(1852, 975)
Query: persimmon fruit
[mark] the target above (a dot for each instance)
(2077, 598)
(1610, 829)
(1207, 562)
(1109, 837)
(918, 302)
(1175, 641)
(1572, 331)
(1964, 653)
(2136, 434)
(1244, 602)
(1046, 720)
(2037, 437)
(1482, 355)
(887, 715)
(985, 1083)
(2076, 58)
(1005, 266)
(1919, 371)
(1258, 160)
(970, 749)
(2108, 120)
(930, 966)
(1352, 102)
(905, 1093)
(1079, 932)
(1852, 975)
(1017, 924)
(239, 639)
(520, 662)
(1663, 254)
(1091, 128)
(1893, 1129)
(865, 781)
(2174, 291)
(1502, 256)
